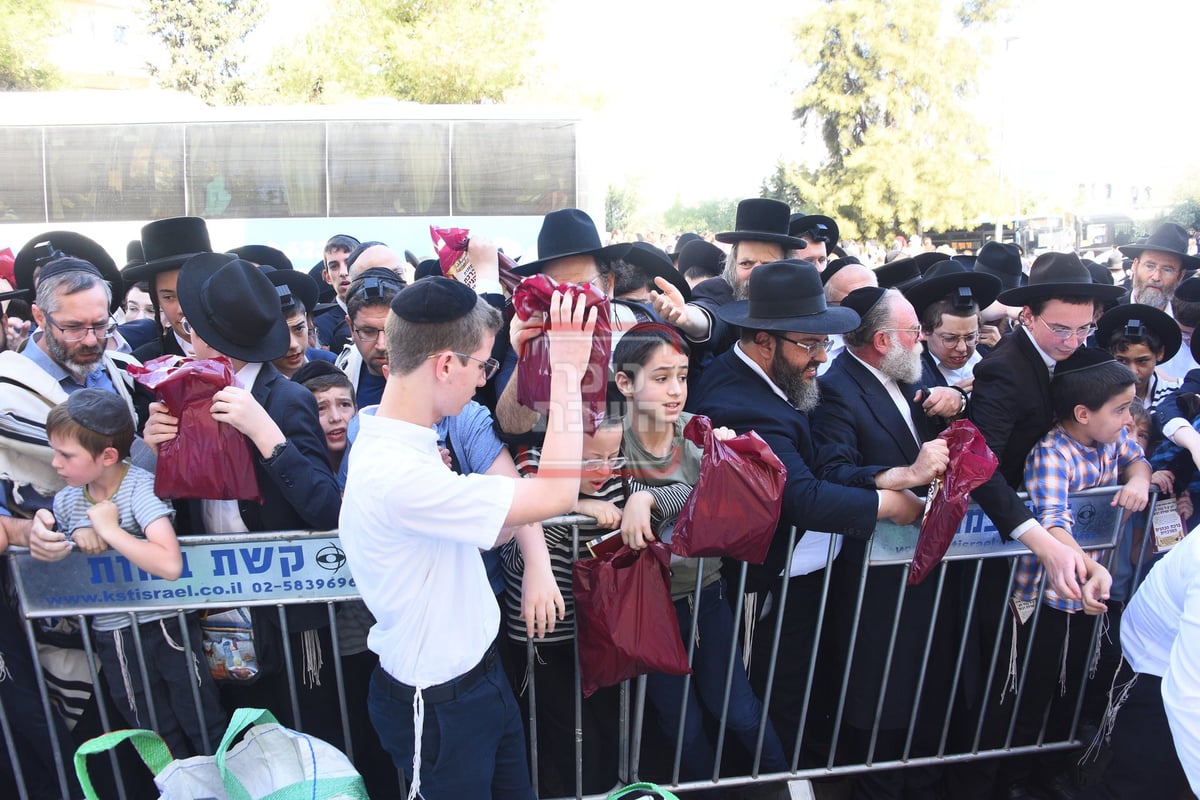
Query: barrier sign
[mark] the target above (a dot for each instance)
(226, 572)
(1097, 524)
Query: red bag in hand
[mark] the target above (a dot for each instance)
(451, 245)
(734, 509)
(533, 364)
(207, 460)
(971, 463)
(626, 622)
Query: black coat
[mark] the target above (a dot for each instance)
(734, 396)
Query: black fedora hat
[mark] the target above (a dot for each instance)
(133, 255)
(699, 253)
(1059, 275)
(683, 241)
(568, 232)
(1169, 238)
(233, 307)
(950, 277)
(1133, 320)
(1003, 261)
(16, 294)
(167, 243)
(927, 260)
(967, 261)
(289, 282)
(74, 244)
(899, 274)
(317, 273)
(835, 266)
(787, 296)
(263, 255)
(760, 219)
(814, 228)
(657, 264)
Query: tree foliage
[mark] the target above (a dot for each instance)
(450, 51)
(889, 90)
(620, 204)
(708, 215)
(203, 41)
(25, 25)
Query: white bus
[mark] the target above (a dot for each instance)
(105, 163)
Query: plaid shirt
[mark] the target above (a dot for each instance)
(1056, 467)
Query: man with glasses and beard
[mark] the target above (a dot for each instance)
(367, 305)
(1159, 264)
(871, 431)
(767, 383)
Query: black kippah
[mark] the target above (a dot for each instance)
(314, 369)
(864, 299)
(64, 264)
(434, 300)
(1084, 358)
(1189, 290)
(99, 411)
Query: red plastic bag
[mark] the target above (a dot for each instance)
(734, 509)
(626, 621)
(207, 460)
(971, 463)
(533, 364)
(451, 245)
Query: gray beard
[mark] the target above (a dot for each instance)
(58, 351)
(1154, 297)
(901, 365)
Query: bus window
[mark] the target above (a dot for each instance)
(21, 196)
(513, 167)
(257, 169)
(114, 172)
(386, 168)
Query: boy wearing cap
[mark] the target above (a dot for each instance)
(439, 699)
(109, 499)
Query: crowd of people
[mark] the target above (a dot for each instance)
(385, 400)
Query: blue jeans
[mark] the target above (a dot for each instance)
(710, 660)
(471, 747)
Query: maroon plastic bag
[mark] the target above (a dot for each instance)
(734, 509)
(451, 245)
(533, 364)
(207, 460)
(626, 621)
(971, 463)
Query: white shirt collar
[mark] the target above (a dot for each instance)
(1047, 360)
(737, 349)
(248, 374)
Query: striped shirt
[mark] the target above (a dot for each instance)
(1056, 467)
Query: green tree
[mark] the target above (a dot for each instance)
(25, 26)
(889, 90)
(708, 215)
(451, 51)
(203, 40)
(620, 204)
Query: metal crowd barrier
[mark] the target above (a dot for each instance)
(284, 569)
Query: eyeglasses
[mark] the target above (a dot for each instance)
(1165, 270)
(824, 344)
(77, 333)
(367, 334)
(968, 339)
(1063, 333)
(490, 367)
(597, 464)
(913, 331)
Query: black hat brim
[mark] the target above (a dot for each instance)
(1187, 262)
(1160, 322)
(270, 347)
(985, 288)
(1030, 292)
(658, 268)
(300, 285)
(79, 246)
(804, 222)
(147, 270)
(790, 242)
(611, 251)
(17, 294)
(833, 319)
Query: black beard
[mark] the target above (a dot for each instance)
(801, 393)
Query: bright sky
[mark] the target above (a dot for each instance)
(697, 94)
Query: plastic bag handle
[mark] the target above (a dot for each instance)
(242, 718)
(149, 745)
(698, 431)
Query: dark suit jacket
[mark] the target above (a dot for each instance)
(858, 433)
(1010, 404)
(298, 487)
(931, 376)
(736, 397)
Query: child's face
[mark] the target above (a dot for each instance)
(1139, 358)
(74, 464)
(1104, 425)
(602, 446)
(660, 390)
(335, 409)
(1139, 429)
